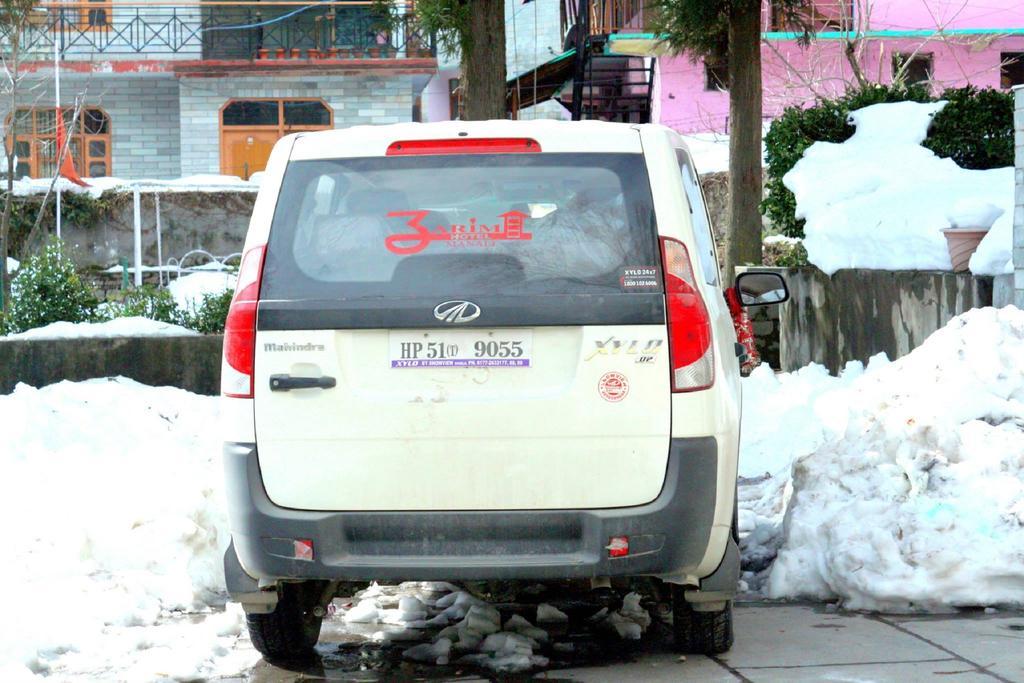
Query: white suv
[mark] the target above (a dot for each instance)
(473, 351)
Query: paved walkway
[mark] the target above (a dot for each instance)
(783, 642)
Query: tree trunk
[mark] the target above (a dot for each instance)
(743, 236)
(483, 62)
(5, 220)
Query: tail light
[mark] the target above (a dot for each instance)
(691, 352)
(240, 327)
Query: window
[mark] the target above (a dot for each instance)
(702, 231)
(819, 15)
(35, 143)
(285, 115)
(454, 97)
(499, 224)
(716, 75)
(1011, 69)
(96, 13)
(914, 68)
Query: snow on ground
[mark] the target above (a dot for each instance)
(880, 200)
(907, 491)
(710, 151)
(112, 493)
(188, 290)
(97, 186)
(132, 326)
(12, 265)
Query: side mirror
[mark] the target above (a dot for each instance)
(761, 288)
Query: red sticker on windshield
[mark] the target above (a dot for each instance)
(471, 234)
(613, 386)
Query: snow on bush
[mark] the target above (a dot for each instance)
(111, 496)
(880, 200)
(908, 493)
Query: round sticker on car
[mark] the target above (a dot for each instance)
(613, 386)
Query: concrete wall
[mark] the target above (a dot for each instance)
(354, 99)
(1018, 211)
(857, 313)
(191, 363)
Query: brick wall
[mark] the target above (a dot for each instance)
(143, 113)
(354, 99)
(1018, 213)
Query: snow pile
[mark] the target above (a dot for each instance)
(912, 496)
(189, 290)
(97, 186)
(132, 326)
(12, 265)
(880, 200)
(115, 533)
(452, 626)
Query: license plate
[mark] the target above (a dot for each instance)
(461, 349)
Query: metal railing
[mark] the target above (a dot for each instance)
(608, 16)
(226, 30)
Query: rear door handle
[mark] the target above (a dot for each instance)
(287, 382)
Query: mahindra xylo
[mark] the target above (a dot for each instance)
(472, 351)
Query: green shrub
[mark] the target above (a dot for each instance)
(784, 253)
(975, 129)
(46, 289)
(146, 301)
(208, 317)
(797, 129)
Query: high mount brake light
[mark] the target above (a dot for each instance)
(240, 327)
(464, 146)
(691, 352)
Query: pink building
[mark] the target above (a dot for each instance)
(941, 42)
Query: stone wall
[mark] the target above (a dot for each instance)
(354, 99)
(857, 313)
(191, 363)
(212, 221)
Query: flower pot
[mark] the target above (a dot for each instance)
(279, 53)
(313, 53)
(373, 52)
(262, 53)
(296, 53)
(332, 52)
(962, 243)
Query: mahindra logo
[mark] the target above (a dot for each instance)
(457, 311)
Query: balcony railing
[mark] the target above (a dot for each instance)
(222, 31)
(604, 17)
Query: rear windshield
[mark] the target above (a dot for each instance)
(461, 225)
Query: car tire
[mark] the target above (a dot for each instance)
(291, 631)
(701, 633)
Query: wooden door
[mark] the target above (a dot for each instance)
(246, 151)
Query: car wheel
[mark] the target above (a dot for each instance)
(704, 633)
(291, 631)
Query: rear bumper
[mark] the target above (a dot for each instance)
(666, 536)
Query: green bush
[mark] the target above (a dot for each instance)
(209, 316)
(975, 129)
(797, 129)
(46, 289)
(784, 253)
(147, 302)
